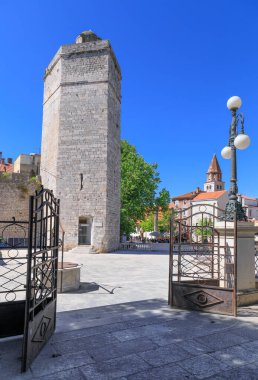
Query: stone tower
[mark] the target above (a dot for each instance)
(214, 176)
(81, 140)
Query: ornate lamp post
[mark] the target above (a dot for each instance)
(236, 140)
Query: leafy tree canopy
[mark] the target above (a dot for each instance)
(162, 200)
(139, 183)
(205, 228)
(164, 221)
(147, 224)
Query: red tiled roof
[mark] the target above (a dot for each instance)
(190, 195)
(6, 168)
(210, 195)
(249, 198)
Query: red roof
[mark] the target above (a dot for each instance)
(190, 195)
(6, 167)
(251, 199)
(210, 195)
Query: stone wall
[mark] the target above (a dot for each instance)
(81, 139)
(15, 190)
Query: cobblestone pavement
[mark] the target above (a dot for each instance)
(118, 326)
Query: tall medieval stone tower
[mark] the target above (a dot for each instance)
(81, 140)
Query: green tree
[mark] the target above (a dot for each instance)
(161, 205)
(164, 221)
(162, 200)
(147, 224)
(139, 182)
(204, 228)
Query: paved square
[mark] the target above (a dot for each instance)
(118, 326)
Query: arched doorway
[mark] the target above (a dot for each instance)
(84, 230)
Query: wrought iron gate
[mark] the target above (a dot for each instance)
(203, 265)
(28, 274)
(41, 286)
(13, 267)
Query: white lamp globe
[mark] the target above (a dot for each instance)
(242, 141)
(234, 102)
(226, 152)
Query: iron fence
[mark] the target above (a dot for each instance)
(13, 260)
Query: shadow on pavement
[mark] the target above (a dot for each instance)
(87, 287)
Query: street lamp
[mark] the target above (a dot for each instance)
(236, 140)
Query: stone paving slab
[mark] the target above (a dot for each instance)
(115, 368)
(166, 372)
(220, 339)
(247, 372)
(122, 348)
(205, 366)
(237, 355)
(133, 349)
(165, 355)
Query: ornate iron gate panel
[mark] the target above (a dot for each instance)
(203, 265)
(13, 267)
(41, 287)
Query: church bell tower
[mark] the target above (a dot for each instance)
(214, 177)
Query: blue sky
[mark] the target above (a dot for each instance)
(180, 60)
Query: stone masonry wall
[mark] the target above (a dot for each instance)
(113, 156)
(15, 190)
(86, 140)
(50, 130)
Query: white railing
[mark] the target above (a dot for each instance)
(135, 246)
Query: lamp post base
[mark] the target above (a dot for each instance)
(231, 207)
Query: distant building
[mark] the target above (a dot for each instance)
(213, 193)
(250, 205)
(212, 200)
(27, 164)
(183, 201)
(213, 184)
(15, 189)
(6, 166)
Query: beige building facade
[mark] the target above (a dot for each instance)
(27, 164)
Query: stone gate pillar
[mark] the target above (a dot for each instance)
(245, 249)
